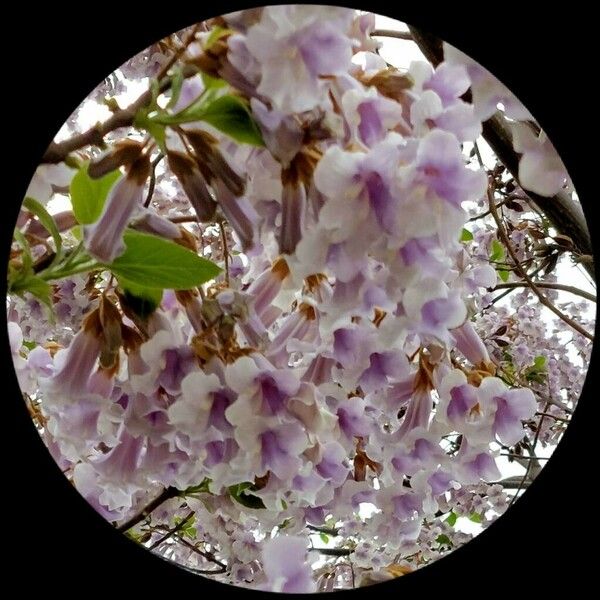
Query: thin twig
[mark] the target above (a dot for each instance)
(173, 531)
(225, 251)
(549, 286)
(545, 414)
(165, 495)
(392, 33)
(207, 555)
(327, 530)
(333, 551)
(487, 212)
(531, 462)
(523, 273)
(152, 183)
(184, 219)
(57, 152)
(513, 455)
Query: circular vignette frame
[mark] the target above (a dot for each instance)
(53, 525)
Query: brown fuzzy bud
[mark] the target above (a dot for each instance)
(194, 184)
(123, 153)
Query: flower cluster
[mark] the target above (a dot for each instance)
(340, 378)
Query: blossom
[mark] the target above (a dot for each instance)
(440, 166)
(104, 238)
(540, 169)
(299, 42)
(285, 565)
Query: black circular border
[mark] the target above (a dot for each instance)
(55, 541)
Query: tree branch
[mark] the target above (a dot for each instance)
(58, 151)
(523, 273)
(563, 213)
(332, 551)
(173, 531)
(327, 530)
(391, 33)
(547, 285)
(152, 183)
(165, 495)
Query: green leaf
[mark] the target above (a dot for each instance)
(285, 523)
(203, 487)
(77, 233)
(158, 132)
(230, 115)
(451, 519)
(89, 195)
(26, 258)
(176, 85)
(142, 300)
(503, 275)
(324, 537)
(153, 262)
(36, 286)
(212, 83)
(215, 35)
(475, 517)
(538, 371)
(443, 540)
(29, 344)
(466, 235)
(497, 254)
(47, 221)
(238, 494)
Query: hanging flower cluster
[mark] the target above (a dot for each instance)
(262, 312)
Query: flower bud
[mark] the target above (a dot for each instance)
(194, 184)
(104, 238)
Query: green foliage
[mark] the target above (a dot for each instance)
(89, 195)
(230, 115)
(451, 519)
(466, 235)
(239, 494)
(503, 275)
(498, 252)
(176, 85)
(215, 35)
(188, 529)
(227, 113)
(443, 540)
(23, 279)
(202, 487)
(142, 300)
(153, 262)
(538, 371)
(476, 518)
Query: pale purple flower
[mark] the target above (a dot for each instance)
(286, 565)
(512, 406)
(369, 115)
(302, 43)
(440, 165)
(359, 186)
(104, 239)
(76, 363)
(475, 464)
(469, 344)
(540, 169)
